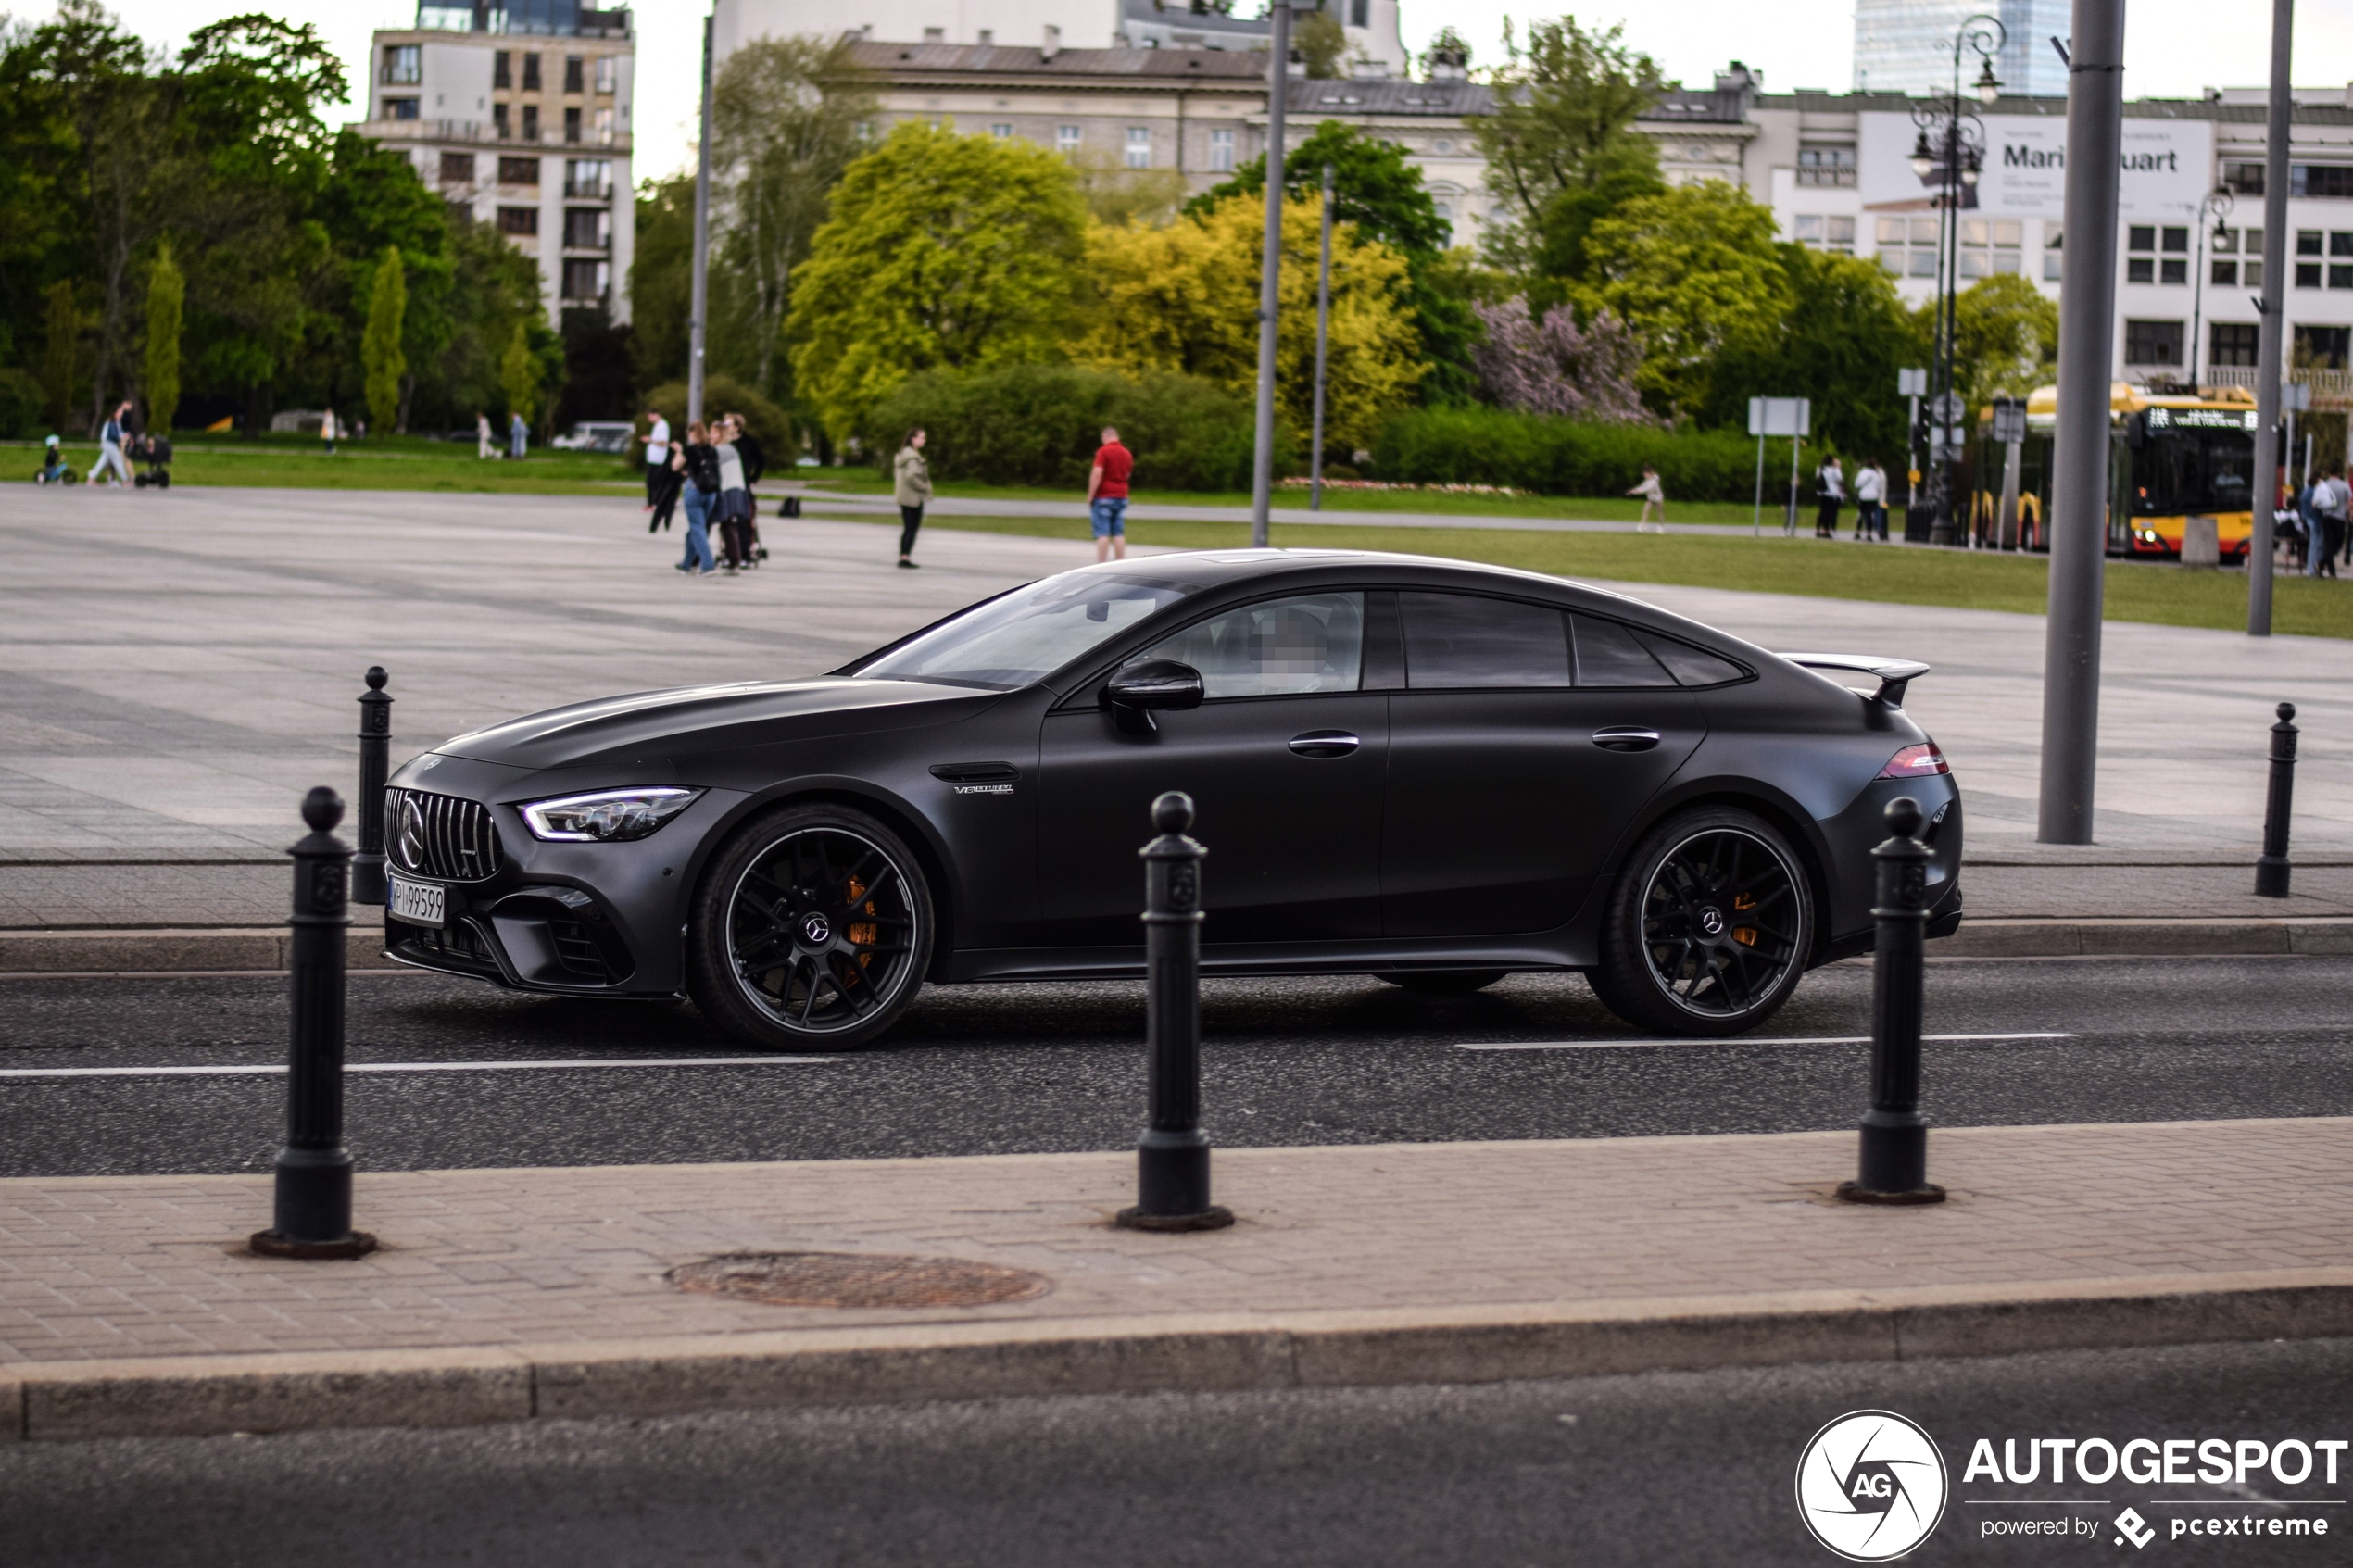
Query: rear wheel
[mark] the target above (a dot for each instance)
(812, 931)
(1460, 982)
(1708, 928)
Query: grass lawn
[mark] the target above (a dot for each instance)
(2165, 596)
(289, 462)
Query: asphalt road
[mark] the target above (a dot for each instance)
(1038, 1068)
(1665, 1468)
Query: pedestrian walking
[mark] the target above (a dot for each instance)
(910, 485)
(754, 457)
(2332, 502)
(1653, 495)
(733, 509)
(1829, 493)
(1107, 496)
(656, 459)
(697, 470)
(1871, 496)
(327, 432)
(518, 436)
(111, 438)
(482, 435)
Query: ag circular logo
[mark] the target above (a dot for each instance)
(1871, 1486)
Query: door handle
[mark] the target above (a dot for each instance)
(1624, 737)
(1325, 743)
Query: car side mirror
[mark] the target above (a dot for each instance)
(1144, 684)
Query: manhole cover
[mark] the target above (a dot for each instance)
(857, 1279)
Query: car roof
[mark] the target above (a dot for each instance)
(1211, 569)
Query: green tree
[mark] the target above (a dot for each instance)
(380, 350)
(1840, 341)
(942, 251)
(1322, 42)
(166, 289)
(519, 374)
(1561, 146)
(60, 356)
(2004, 338)
(785, 114)
(1447, 46)
(1695, 272)
(662, 279)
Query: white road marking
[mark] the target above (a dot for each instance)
(247, 1070)
(1735, 1040)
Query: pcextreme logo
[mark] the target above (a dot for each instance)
(1871, 1486)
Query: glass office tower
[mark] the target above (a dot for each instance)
(1906, 46)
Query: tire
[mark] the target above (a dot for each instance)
(812, 931)
(1461, 982)
(1674, 958)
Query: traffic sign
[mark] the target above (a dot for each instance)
(1911, 384)
(1780, 416)
(1946, 409)
(2009, 420)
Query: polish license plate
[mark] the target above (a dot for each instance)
(419, 903)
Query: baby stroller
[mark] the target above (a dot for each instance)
(54, 469)
(153, 453)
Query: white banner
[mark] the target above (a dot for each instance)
(2168, 166)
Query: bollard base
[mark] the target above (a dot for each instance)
(1856, 1192)
(1213, 1218)
(269, 1244)
(2272, 877)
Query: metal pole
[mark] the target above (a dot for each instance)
(1270, 265)
(699, 318)
(313, 1208)
(2272, 870)
(1894, 1164)
(1789, 517)
(2269, 352)
(1172, 1158)
(2010, 456)
(2078, 523)
(1948, 236)
(375, 743)
(1756, 519)
(1322, 343)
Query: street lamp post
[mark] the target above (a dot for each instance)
(1951, 146)
(2211, 212)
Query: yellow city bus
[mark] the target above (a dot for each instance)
(2171, 457)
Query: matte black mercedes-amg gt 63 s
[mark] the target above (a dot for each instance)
(1431, 772)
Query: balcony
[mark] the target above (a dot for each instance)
(2331, 389)
(473, 134)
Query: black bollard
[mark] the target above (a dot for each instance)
(1894, 1158)
(1172, 1158)
(375, 743)
(313, 1210)
(2271, 867)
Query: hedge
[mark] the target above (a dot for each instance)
(1040, 424)
(1555, 457)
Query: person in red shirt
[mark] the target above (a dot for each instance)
(1107, 496)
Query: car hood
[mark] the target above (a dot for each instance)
(717, 718)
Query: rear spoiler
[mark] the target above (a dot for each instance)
(1894, 674)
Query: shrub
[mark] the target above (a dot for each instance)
(769, 425)
(1557, 456)
(21, 405)
(1039, 425)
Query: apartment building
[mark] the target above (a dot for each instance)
(519, 116)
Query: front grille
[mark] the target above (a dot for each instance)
(440, 835)
(458, 947)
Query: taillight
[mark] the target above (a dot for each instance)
(1916, 763)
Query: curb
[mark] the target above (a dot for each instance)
(265, 948)
(472, 1385)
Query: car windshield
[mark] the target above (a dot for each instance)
(1028, 633)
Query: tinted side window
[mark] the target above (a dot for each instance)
(1462, 640)
(1315, 643)
(1609, 654)
(1688, 664)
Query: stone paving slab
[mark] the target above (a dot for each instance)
(109, 1269)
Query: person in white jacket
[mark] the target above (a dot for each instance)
(1829, 493)
(1653, 517)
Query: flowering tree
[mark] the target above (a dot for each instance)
(1556, 367)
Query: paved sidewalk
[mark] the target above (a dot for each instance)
(2052, 1233)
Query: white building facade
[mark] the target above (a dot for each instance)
(519, 116)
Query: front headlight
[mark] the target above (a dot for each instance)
(607, 815)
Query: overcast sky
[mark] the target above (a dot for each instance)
(2172, 47)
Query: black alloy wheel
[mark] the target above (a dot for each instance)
(1709, 927)
(1444, 983)
(812, 930)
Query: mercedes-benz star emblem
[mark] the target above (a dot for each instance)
(814, 930)
(410, 836)
(1711, 920)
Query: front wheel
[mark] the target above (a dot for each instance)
(1708, 928)
(812, 932)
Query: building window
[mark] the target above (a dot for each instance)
(571, 127)
(935, 35)
(498, 122)
(863, 130)
(457, 168)
(586, 279)
(988, 38)
(2052, 235)
(604, 128)
(531, 123)
(502, 70)
(2323, 348)
(1907, 246)
(1140, 146)
(531, 73)
(588, 179)
(400, 109)
(608, 74)
(404, 65)
(588, 227)
(2232, 344)
(1067, 139)
(2143, 265)
(1991, 245)
(1826, 166)
(1815, 231)
(519, 220)
(518, 171)
(1221, 152)
(1001, 131)
(576, 73)
(2319, 179)
(2337, 245)
(2243, 179)
(2152, 343)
